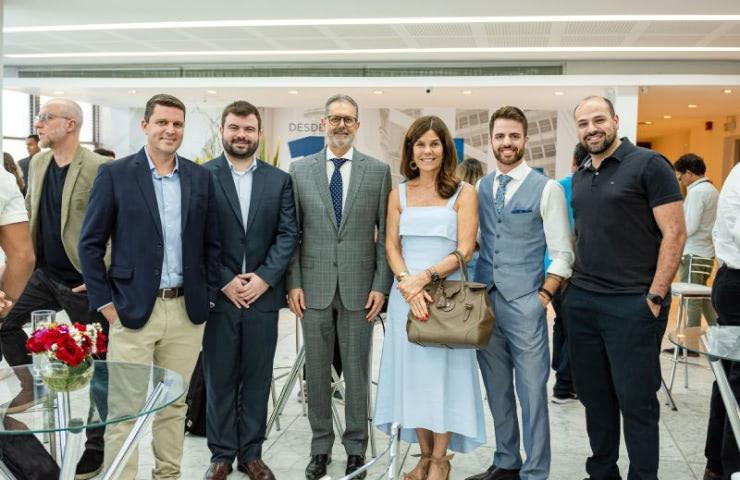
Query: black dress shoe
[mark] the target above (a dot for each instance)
(496, 473)
(90, 464)
(317, 466)
(354, 463)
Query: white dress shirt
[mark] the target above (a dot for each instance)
(344, 170)
(243, 184)
(554, 212)
(726, 231)
(700, 210)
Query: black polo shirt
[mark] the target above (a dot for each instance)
(617, 237)
(52, 256)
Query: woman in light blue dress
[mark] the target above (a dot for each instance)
(434, 393)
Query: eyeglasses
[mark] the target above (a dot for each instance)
(335, 120)
(45, 117)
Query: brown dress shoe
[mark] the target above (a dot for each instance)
(256, 470)
(218, 471)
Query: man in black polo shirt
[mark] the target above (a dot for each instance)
(630, 232)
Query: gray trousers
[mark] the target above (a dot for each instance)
(354, 333)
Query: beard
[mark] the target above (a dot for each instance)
(517, 156)
(239, 153)
(600, 147)
(340, 143)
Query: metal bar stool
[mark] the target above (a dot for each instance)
(686, 291)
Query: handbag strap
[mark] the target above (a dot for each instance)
(463, 265)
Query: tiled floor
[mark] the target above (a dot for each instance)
(286, 451)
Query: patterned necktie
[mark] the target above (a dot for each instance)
(335, 188)
(501, 193)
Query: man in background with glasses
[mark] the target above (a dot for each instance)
(339, 269)
(58, 187)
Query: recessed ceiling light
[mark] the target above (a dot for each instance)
(211, 92)
(691, 105)
(293, 92)
(667, 117)
(378, 92)
(132, 92)
(467, 92)
(58, 92)
(727, 90)
(559, 93)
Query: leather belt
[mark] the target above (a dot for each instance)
(170, 292)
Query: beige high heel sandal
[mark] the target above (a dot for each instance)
(444, 464)
(423, 457)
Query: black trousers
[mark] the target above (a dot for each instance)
(615, 347)
(560, 351)
(238, 353)
(43, 293)
(721, 448)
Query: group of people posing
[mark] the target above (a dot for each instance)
(174, 257)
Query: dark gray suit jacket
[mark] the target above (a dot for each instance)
(271, 234)
(352, 254)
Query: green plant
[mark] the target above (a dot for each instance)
(264, 154)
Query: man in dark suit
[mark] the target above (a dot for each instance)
(160, 214)
(32, 145)
(258, 234)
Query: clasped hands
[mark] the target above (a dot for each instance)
(244, 289)
(412, 289)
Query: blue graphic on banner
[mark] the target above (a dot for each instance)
(460, 147)
(305, 146)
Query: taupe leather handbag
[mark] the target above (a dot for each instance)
(460, 315)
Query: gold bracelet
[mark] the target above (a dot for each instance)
(402, 275)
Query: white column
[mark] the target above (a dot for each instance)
(626, 102)
(565, 142)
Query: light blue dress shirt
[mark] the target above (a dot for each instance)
(243, 183)
(169, 202)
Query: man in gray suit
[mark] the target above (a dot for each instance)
(340, 269)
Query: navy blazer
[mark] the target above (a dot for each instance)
(123, 208)
(267, 242)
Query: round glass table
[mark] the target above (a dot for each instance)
(716, 343)
(118, 392)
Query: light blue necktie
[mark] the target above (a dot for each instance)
(335, 188)
(501, 193)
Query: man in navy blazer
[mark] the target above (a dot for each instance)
(159, 212)
(258, 231)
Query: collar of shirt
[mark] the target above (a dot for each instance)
(618, 154)
(517, 174)
(153, 168)
(347, 156)
(697, 182)
(238, 173)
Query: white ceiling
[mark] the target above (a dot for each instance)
(445, 39)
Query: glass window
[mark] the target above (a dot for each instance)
(537, 153)
(16, 114)
(17, 148)
(533, 129)
(483, 117)
(549, 149)
(463, 122)
(545, 125)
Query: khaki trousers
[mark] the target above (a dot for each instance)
(170, 340)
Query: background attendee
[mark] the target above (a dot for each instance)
(433, 390)
(258, 236)
(629, 242)
(109, 154)
(471, 171)
(32, 147)
(563, 391)
(700, 211)
(340, 266)
(59, 182)
(723, 457)
(161, 219)
(522, 213)
(12, 168)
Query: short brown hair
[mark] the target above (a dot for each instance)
(241, 108)
(162, 99)
(447, 183)
(510, 113)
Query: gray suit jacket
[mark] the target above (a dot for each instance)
(351, 255)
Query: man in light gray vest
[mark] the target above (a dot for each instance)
(522, 212)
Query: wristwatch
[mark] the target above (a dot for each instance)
(655, 299)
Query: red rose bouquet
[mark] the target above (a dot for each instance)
(67, 343)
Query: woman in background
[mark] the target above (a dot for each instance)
(12, 167)
(471, 170)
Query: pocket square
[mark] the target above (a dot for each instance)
(519, 210)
